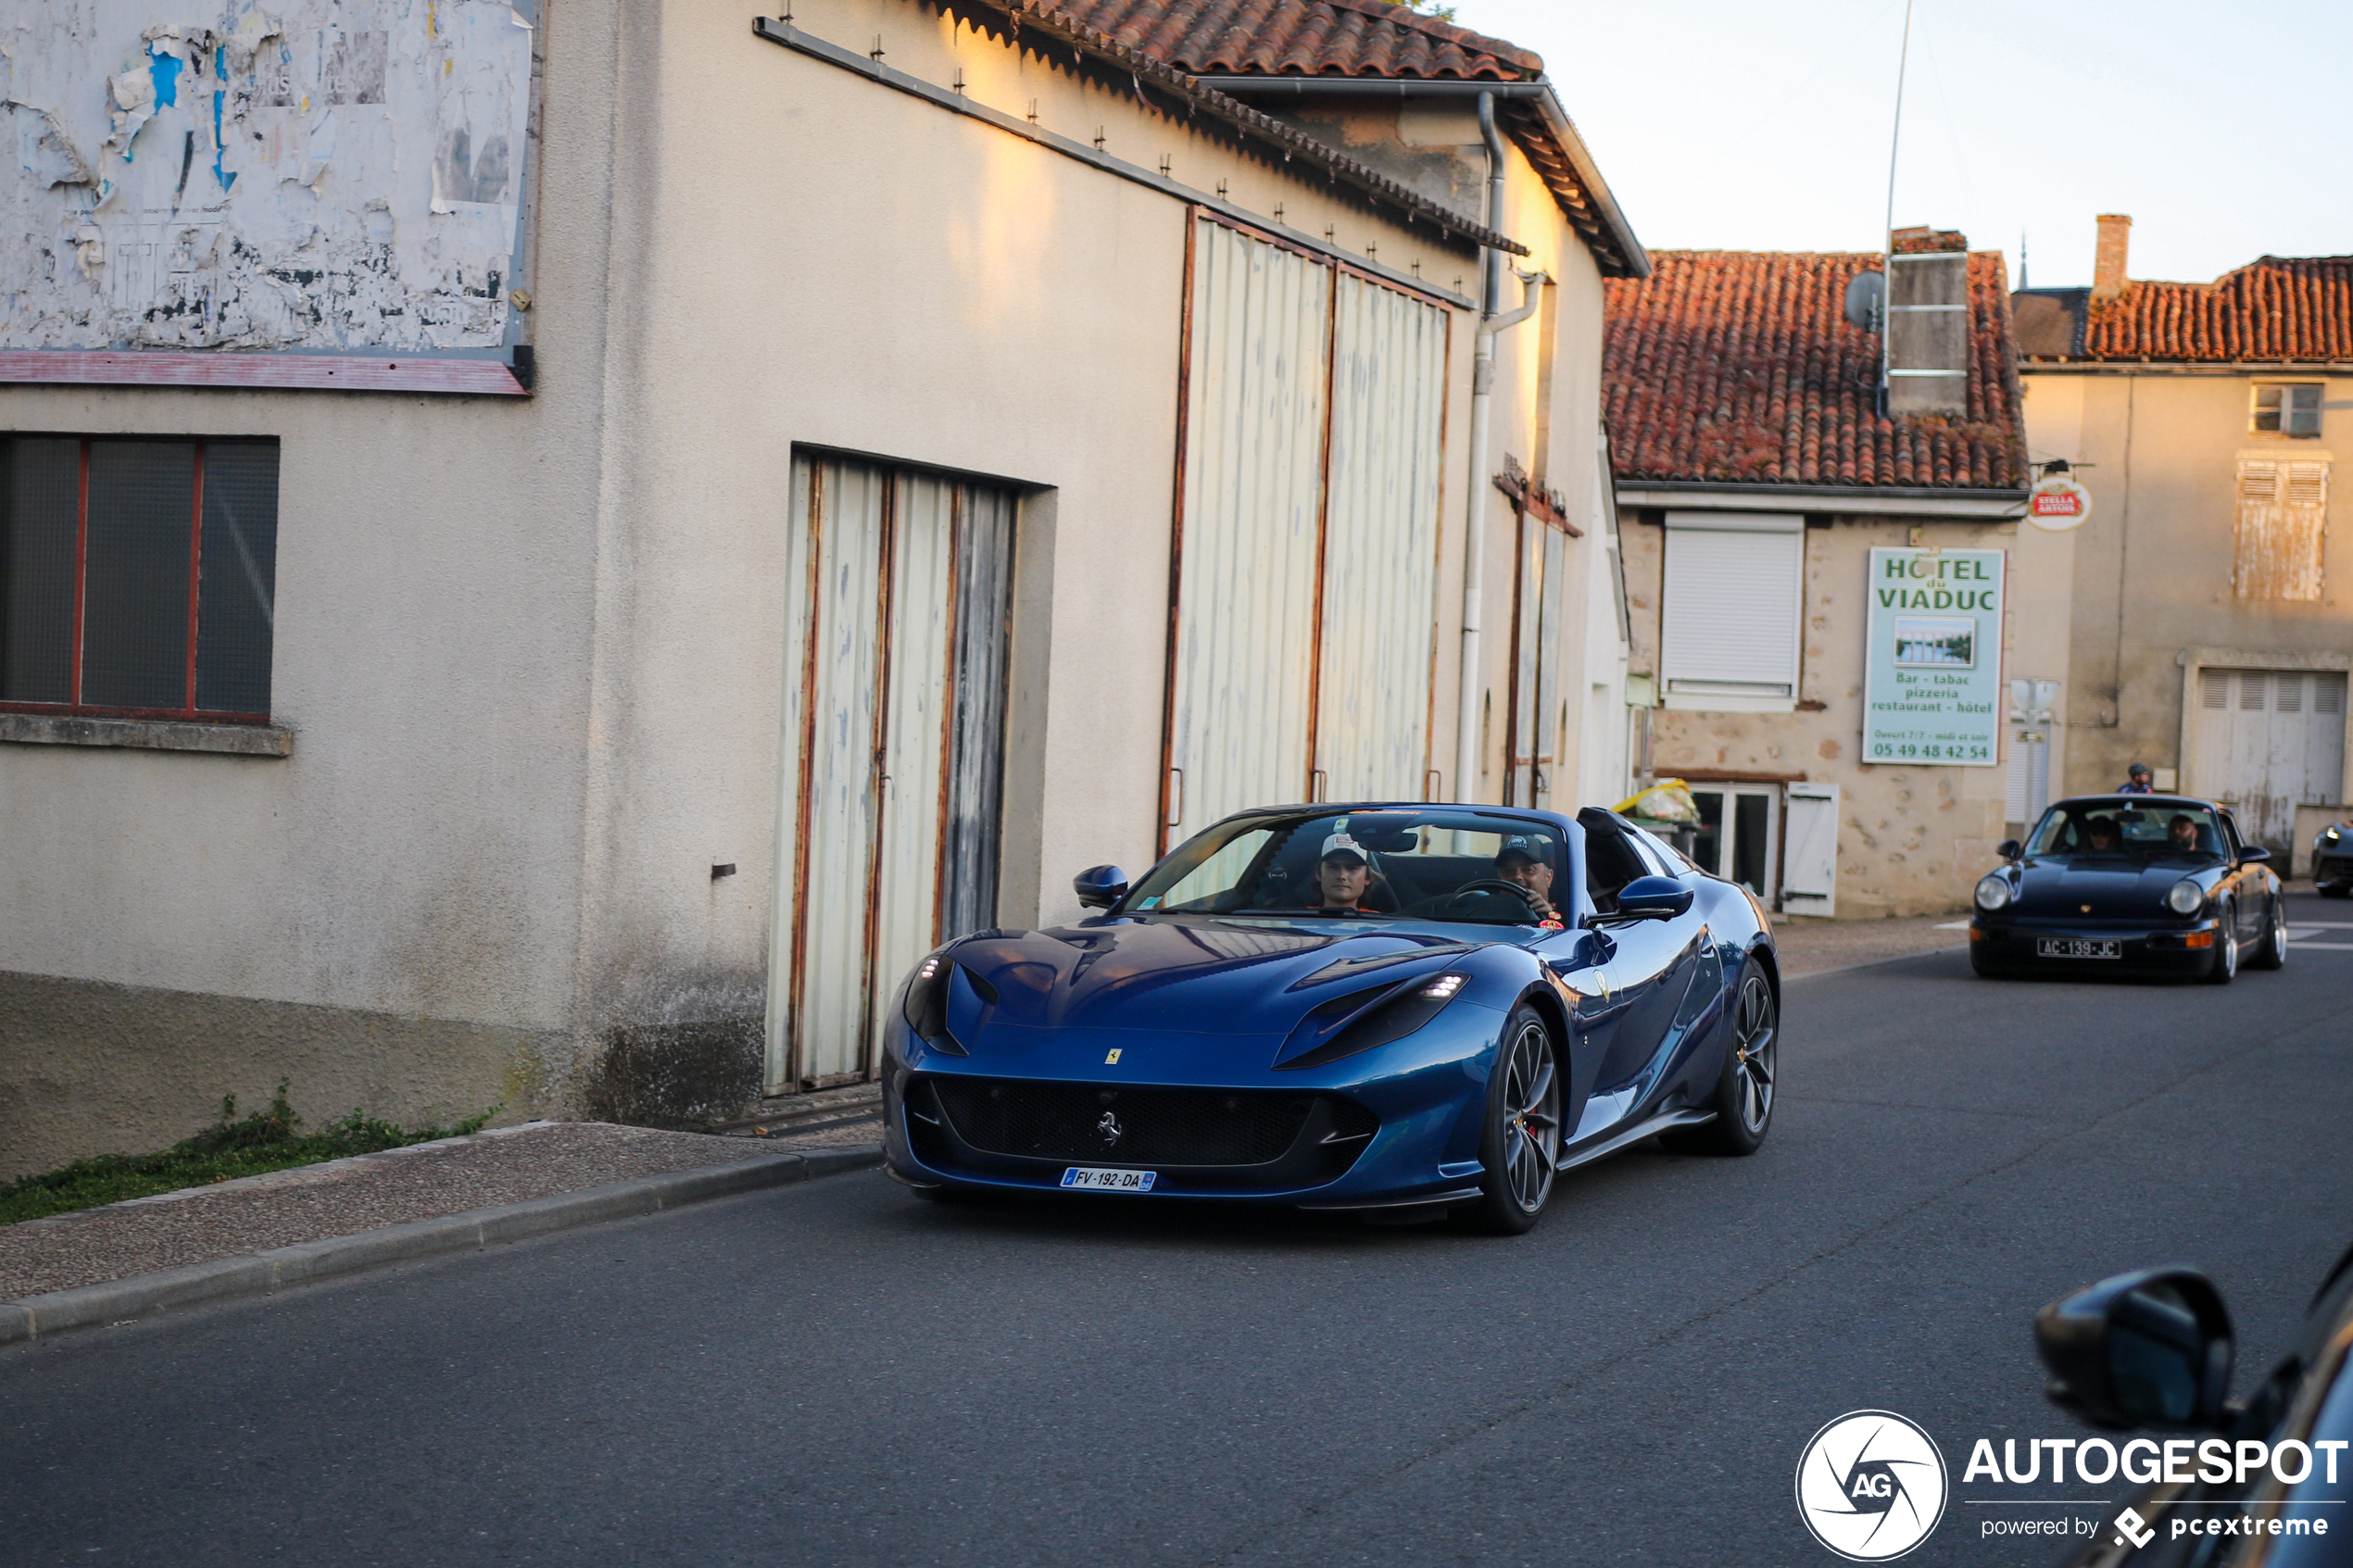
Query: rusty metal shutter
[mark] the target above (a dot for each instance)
(1258, 362)
(1381, 548)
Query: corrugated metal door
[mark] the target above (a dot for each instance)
(899, 600)
(1380, 544)
(2268, 741)
(1536, 708)
(1259, 359)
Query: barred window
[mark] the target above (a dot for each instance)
(137, 577)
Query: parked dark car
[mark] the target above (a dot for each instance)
(2333, 859)
(2153, 1350)
(2154, 883)
(1398, 1009)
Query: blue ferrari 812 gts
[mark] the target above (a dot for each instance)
(1401, 1010)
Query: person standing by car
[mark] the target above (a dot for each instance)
(2136, 781)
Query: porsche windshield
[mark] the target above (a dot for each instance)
(1418, 865)
(2114, 829)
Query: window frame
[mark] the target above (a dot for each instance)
(187, 712)
(2284, 414)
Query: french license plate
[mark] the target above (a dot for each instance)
(1100, 1178)
(2077, 947)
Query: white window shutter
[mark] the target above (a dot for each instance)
(1809, 855)
(1733, 605)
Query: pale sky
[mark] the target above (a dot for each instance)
(1763, 124)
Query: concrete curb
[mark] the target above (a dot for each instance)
(92, 1305)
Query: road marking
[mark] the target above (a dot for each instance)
(1950, 925)
(2322, 946)
(2322, 926)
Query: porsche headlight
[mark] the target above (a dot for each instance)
(1993, 892)
(2185, 897)
(2332, 836)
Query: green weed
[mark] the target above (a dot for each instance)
(266, 1140)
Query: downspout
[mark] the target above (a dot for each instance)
(1491, 288)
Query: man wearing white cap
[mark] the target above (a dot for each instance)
(1345, 876)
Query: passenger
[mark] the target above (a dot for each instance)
(1524, 860)
(2099, 836)
(1344, 877)
(2182, 831)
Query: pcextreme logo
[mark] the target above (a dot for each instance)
(1870, 1485)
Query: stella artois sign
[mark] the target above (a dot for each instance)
(2057, 503)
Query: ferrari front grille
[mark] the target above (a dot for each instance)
(1139, 1127)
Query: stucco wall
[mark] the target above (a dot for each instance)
(2160, 452)
(1912, 840)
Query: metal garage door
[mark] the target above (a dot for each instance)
(2268, 741)
(893, 744)
(1307, 539)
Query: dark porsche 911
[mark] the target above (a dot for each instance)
(2147, 883)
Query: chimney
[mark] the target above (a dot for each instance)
(2108, 261)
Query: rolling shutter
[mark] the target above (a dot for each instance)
(1734, 596)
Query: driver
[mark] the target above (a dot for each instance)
(1345, 876)
(1523, 860)
(2182, 831)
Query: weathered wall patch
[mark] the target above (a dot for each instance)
(320, 176)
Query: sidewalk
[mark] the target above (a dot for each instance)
(343, 1198)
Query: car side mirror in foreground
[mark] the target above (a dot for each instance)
(2008, 849)
(2151, 1348)
(2253, 854)
(1646, 897)
(1099, 887)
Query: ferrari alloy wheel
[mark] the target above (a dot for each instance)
(1744, 1101)
(2272, 951)
(1522, 1143)
(2226, 948)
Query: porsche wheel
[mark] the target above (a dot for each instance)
(2270, 950)
(1743, 1102)
(1521, 1145)
(2225, 967)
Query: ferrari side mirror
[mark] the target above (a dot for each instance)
(2151, 1348)
(1646, 897)
(2008, 849)
(1099, 887)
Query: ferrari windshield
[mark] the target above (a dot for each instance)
(1437, 864)
(2119, 828)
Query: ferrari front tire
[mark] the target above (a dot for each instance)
(1520, 1144)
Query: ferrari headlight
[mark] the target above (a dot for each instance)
(1442, 987)
(2332, 836)
(1993, 891)
(2185, 897)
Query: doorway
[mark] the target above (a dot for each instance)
(2267, 741)
(1738, 835)
(899, 600)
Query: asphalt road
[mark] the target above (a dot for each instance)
(837, 1373)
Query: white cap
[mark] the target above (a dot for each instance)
(1340, 843)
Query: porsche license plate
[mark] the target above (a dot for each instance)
(2077, 947)
(1099, 1178)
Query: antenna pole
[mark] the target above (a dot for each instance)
(1887, 267)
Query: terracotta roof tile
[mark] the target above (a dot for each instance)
(1741, 367)
(1303, 37)
(2275, 309)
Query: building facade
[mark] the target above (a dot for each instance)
(564, 619)
(2212, 633)
(1830, 602)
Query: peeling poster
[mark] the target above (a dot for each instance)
(314, 176)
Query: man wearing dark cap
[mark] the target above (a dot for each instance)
(1525, 860)
(2136, 781)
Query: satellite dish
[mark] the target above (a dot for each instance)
(1866, 300)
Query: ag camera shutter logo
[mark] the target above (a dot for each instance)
(1872, 1485)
